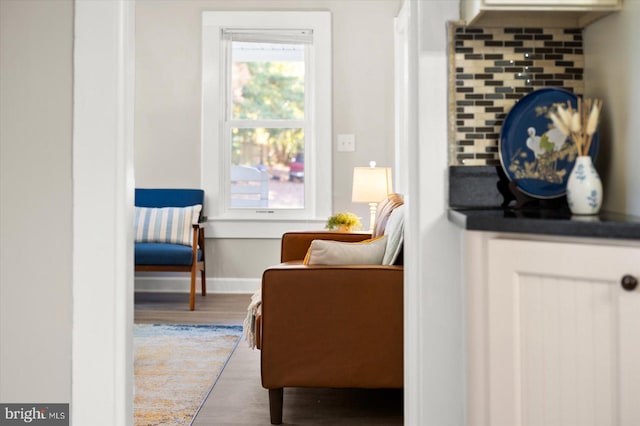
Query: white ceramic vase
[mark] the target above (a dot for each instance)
(584, 188)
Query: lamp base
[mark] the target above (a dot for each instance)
(372, 215)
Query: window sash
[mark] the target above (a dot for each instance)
(265, 36)
(271, 124)
(227, 77)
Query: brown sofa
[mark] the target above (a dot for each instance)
(330, 326)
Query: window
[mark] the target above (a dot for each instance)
(266, 117)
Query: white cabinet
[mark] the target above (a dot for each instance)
(535, 13)
(553, 338)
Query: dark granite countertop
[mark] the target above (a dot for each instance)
(548, 222)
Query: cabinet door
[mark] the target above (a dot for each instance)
(563, 335)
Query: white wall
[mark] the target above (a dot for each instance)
(36, 42)
(168, 68)
(612, 57)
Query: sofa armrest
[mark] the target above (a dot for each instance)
(332, 326)
(295, 244)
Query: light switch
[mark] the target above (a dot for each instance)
(346, 143)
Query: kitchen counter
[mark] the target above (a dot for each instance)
(548, 222)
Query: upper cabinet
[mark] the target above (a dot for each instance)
(535, 13)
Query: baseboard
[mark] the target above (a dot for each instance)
(173, 284)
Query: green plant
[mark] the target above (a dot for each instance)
(346, 219)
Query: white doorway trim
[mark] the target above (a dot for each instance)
(103, 189)
(402, 95)
(406, 122)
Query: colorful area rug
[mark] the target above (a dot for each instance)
(175, 368)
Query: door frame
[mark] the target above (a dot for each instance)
(406, 128)
(103, 198)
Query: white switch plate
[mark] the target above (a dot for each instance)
(346, 143)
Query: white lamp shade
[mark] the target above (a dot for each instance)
(371, 184)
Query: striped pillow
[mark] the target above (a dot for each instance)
(171, 225)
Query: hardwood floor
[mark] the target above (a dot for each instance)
(173, 308)
(238, 397)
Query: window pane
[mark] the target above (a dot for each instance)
(267, 81)
(267, 168)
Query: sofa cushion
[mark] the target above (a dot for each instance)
(326, 252)
(166, 225)
(163, 254)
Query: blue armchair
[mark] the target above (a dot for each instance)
(169, 235)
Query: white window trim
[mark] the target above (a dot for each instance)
(266, 223)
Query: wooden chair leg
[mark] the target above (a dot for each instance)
(192, 295)
(203, 271)
(275, 405)
(203, 278)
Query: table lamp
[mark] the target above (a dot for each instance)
(371, 185)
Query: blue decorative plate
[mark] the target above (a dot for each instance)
(533, 153)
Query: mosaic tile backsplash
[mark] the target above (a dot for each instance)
(490, 69)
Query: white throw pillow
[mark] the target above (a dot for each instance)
(394, 232)
(326, 252)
